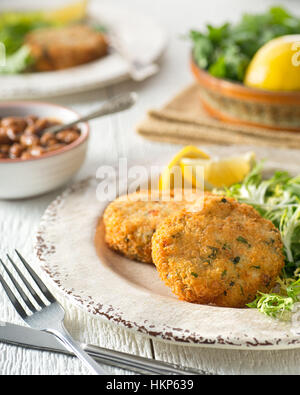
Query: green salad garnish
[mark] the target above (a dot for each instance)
(278, 305)
(13, 29)
(225, 51)
(17, 62)
(278, 200)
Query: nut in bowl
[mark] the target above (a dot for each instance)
(33, 162)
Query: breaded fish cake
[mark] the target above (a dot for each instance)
(131, 220)
(221, 255)
(61, 48)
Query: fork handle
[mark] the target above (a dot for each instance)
(66, 339)
(115, 104)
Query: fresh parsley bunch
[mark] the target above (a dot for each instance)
(225, 51)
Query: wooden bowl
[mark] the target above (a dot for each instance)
(235, 103)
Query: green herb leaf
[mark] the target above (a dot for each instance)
(236, 260)
(241, 239)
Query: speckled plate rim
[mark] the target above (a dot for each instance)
(152, 315)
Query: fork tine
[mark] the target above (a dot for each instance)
(12, 298)
(37, 280)
(19, 289)
(29, 287)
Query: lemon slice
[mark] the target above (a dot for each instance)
(68, 14)
(276, 65)
(218, 173)
(171, 177)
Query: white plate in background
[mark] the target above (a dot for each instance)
(139, 35)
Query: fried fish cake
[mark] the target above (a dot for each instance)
(221, 255)
(131, 220)
(61, 48)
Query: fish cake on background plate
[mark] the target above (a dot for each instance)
(62, 48)
(221, 255)
(131, 220)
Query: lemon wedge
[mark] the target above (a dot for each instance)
(68, 14)
(218, 173)
(171, 177)
(276, 65)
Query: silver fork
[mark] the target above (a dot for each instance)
(47, 317)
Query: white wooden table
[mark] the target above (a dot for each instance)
(111, 138)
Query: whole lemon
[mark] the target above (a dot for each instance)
(276, 65)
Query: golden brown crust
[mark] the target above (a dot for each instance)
(61, 48)
(131, 220)
(221, 255)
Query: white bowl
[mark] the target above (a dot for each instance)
(32, 177)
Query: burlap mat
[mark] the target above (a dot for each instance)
(184, 121)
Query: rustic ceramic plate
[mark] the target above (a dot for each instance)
(139, 34)
(131, 294)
